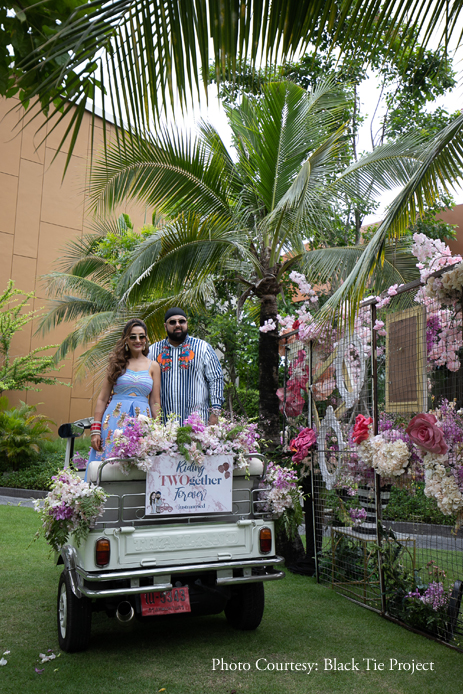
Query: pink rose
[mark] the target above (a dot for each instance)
(361, 429)
(423, 431)
(301, 444)
(294, 401)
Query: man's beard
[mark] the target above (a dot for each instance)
(177, 337)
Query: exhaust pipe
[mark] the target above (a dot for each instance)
(125, 612)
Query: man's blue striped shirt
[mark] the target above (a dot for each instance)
(191, 377)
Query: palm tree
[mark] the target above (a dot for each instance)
(161, 49)
(85, 291)
(288, 175)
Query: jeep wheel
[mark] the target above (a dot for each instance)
(74, 617)
(245, 608)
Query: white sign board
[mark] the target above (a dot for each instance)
(176, 486)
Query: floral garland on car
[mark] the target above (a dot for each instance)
(284, 493)
(142, 438)
(70, 508)
(282, 497)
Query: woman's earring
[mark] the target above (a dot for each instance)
(126, 347)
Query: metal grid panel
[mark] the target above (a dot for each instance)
(400, 554)
(420, 371)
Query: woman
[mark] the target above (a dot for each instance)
(135, 384)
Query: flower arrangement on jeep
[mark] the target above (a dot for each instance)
(142, 438)
(70, 508)
(283, 496)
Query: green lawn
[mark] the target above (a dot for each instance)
(303, 623)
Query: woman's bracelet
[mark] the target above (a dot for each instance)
(95, 433)
(96, 426)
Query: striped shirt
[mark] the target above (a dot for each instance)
(191, 378)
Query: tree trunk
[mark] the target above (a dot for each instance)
(268, 372)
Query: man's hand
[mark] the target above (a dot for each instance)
(213, 419)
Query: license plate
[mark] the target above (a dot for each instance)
(169, 602)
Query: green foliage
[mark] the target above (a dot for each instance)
(409, 81)
(21, 431)
(400, 580)
(25, 27)
(184, 437)
(117, 247)
(432, 227)
(245, 401)
(36, 472)
(236, 338)
(413, 506)
(21, 373)
(161, 51)
(37, 475)
(291, 518)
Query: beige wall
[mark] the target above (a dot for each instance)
(40, 212)
(455, 216)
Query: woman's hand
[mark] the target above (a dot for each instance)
(95, 443)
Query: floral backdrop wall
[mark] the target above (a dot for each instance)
(384, 399)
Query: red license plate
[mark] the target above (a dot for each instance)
(169, 602)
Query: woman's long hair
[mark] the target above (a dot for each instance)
(120, 356)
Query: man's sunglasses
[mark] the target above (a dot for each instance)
(134, 338)
(181, 321)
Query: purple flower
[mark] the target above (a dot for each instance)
(435, 596)
(432, 328)
(62, 512)
(195, 421)
(358, 515)
(80, 461)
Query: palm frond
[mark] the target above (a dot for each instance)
(161, 49)
(87, 330)
(68, 309)
(441, 166)
(181, 254)
(59, 283)
(331, 266)
(171, 173)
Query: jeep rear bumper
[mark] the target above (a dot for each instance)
(226, 573)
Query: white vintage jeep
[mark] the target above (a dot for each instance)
(150, 566)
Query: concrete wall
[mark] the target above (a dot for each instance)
(40, 212)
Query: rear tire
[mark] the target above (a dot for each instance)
(74, 617)
(245, 608)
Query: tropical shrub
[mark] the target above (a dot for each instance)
(21, 431)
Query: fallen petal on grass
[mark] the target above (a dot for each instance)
(3, 661)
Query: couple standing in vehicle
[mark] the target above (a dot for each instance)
(176, 376)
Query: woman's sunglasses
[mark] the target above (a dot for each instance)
(140, 338)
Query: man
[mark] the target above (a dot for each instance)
(191, 375)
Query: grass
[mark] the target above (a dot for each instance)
(303, 622)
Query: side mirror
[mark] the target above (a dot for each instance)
(71, 431)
